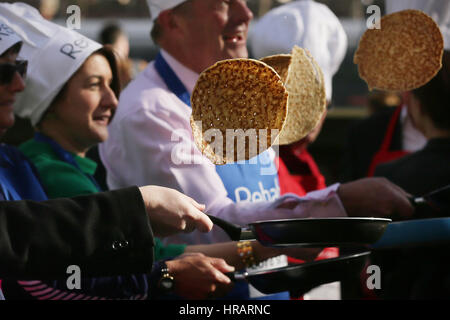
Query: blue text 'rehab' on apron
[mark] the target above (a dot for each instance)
(249, 181)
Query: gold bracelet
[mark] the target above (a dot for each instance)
(245, 251)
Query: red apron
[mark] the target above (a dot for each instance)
(301, 184)
(384, 154)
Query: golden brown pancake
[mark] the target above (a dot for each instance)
(245, 97)
(403, 55)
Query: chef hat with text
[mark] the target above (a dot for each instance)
(8, 37)
(156, 6)
(307, 24)
(54, 54)
(438, 10)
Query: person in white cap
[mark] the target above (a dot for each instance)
(151, 140)
(73, 122)
(312, 26)
(315, 27)
(19, 181)
(11, 82)
(10, 74)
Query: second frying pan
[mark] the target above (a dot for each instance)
(317, 232)
(299, 279)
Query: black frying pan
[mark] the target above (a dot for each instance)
(299, 279)
(332, 231)
(317, 232)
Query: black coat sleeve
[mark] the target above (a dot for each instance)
(104, 234)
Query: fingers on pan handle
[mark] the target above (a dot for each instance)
(234, 232)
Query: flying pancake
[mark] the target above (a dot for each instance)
(306, 88)
(239, 107)
(404, 54)
(280, 63)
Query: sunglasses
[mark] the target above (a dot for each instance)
(8, 70)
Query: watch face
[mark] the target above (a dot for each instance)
(166, 283)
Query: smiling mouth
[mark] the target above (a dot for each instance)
(233, 38)
(102, 119)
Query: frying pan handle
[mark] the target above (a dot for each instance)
(247, 234)
(417, 201)
(425, 208)
(234, 276)
(233, 231)
(435, 202)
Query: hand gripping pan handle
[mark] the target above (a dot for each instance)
(433, 204)
(235, 232)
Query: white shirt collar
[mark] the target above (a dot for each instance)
(413, 139)
(187, 76)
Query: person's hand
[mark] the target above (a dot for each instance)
(375, 197)
(200, 277)
(171, 211)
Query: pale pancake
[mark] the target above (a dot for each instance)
(306, 88)
(280, 63)
(403, 55)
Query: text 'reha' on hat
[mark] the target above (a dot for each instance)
(156, 6)
(307, 24)
(54, 54)
(8, 37)
(438, 10)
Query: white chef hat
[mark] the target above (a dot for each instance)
(156, 6)
(54, 54)
(439, 10)
(307, 24)
(8, 37)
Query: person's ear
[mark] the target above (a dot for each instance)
(170, 21)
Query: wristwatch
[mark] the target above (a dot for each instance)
(166, 282)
